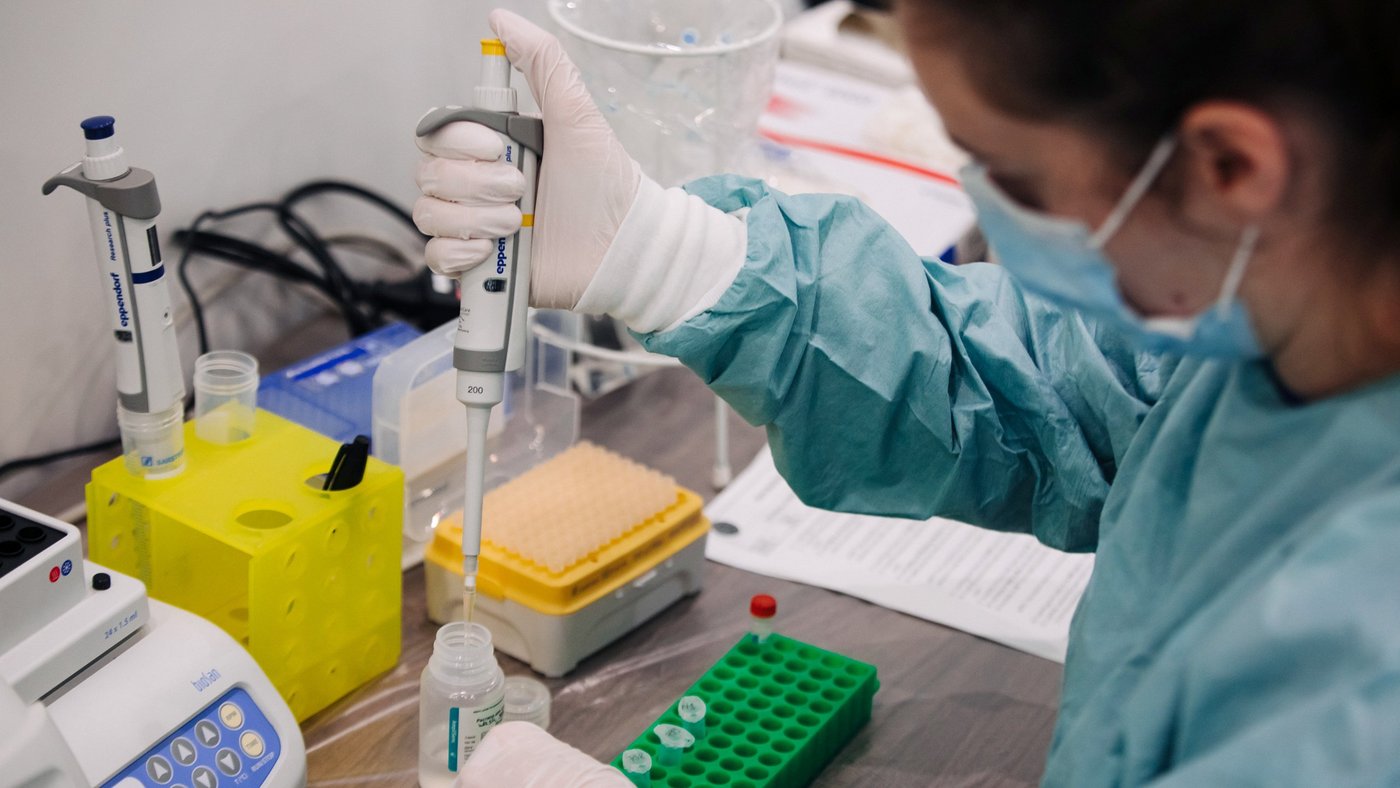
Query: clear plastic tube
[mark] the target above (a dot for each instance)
(225, 396)
(153, 444)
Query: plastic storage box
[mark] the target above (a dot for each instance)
(419, 425)
(308, 581)
(331, 391)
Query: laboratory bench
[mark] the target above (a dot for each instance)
(952, 710)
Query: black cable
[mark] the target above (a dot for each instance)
(340, 287)
(322, 187)
(255, 258)
(20, 463)
(182, 267)
(182, 272)
(334, 283)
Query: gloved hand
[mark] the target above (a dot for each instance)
(607, 239)
(521, 755)
(587, 181)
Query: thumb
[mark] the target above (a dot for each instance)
(553, 78)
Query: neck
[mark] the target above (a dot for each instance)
(1343, 337)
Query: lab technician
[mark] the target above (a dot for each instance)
(1187, 361)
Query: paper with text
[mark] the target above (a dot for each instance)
(1004, 587)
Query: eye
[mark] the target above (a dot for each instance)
(1018, 189)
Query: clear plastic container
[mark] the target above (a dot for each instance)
(461, 697)
(527, 700)
(682, 84)
(419, 425)
(225, 396)
(153, 444)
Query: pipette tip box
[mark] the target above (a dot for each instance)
(575, 553)
(777, 712)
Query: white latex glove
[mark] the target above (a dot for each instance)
(607, 239)
(587, 181)
(521, 755)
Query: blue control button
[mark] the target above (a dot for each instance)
(207, 733)
(229, 742)
(229, 762)
(158, 769)
(183, 750)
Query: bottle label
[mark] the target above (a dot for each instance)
(467, 727)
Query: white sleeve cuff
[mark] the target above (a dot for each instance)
(672, 258)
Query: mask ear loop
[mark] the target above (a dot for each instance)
(1141, 183)
(1234, 275)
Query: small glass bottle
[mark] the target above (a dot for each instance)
(461, 697)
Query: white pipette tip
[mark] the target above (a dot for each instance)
(636, 764)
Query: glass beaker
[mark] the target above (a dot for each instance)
(682, 83)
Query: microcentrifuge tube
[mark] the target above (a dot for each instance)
(636, 764)
(762, 608)
(674, 740)
(692, 713)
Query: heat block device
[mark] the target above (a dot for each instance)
(132, 692)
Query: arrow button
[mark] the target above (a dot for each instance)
(229, 762)
(207, 733)
(159, 769)
(183, 751)
(204, 777)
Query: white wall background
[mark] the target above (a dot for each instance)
(226, 103)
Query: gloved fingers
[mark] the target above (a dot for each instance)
(553, 77)
(521, 755)
(454, 256)
(463, 140)
(454, 220)
(469, 182)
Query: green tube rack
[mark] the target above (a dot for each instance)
(777, 713)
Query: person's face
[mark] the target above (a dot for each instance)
(1164, 266)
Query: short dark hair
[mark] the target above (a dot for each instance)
(1131, 69)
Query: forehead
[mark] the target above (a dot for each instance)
(974, 122)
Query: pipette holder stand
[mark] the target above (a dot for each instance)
(308, 581)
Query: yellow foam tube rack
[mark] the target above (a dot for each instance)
(308, 581)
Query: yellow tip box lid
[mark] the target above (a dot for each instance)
(573, 529)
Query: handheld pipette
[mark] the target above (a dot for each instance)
(122, 208)
(490, 339)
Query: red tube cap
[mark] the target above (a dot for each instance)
(763, 606)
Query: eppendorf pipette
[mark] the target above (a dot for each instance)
(491, 328)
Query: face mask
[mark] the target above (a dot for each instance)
(1060, 260)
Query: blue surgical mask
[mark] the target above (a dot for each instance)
(1063, 262)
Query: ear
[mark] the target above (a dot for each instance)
(1237, 165)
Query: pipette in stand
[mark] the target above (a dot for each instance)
(122, 209)
(491, 328)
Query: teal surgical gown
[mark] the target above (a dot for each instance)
(1242, 626)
